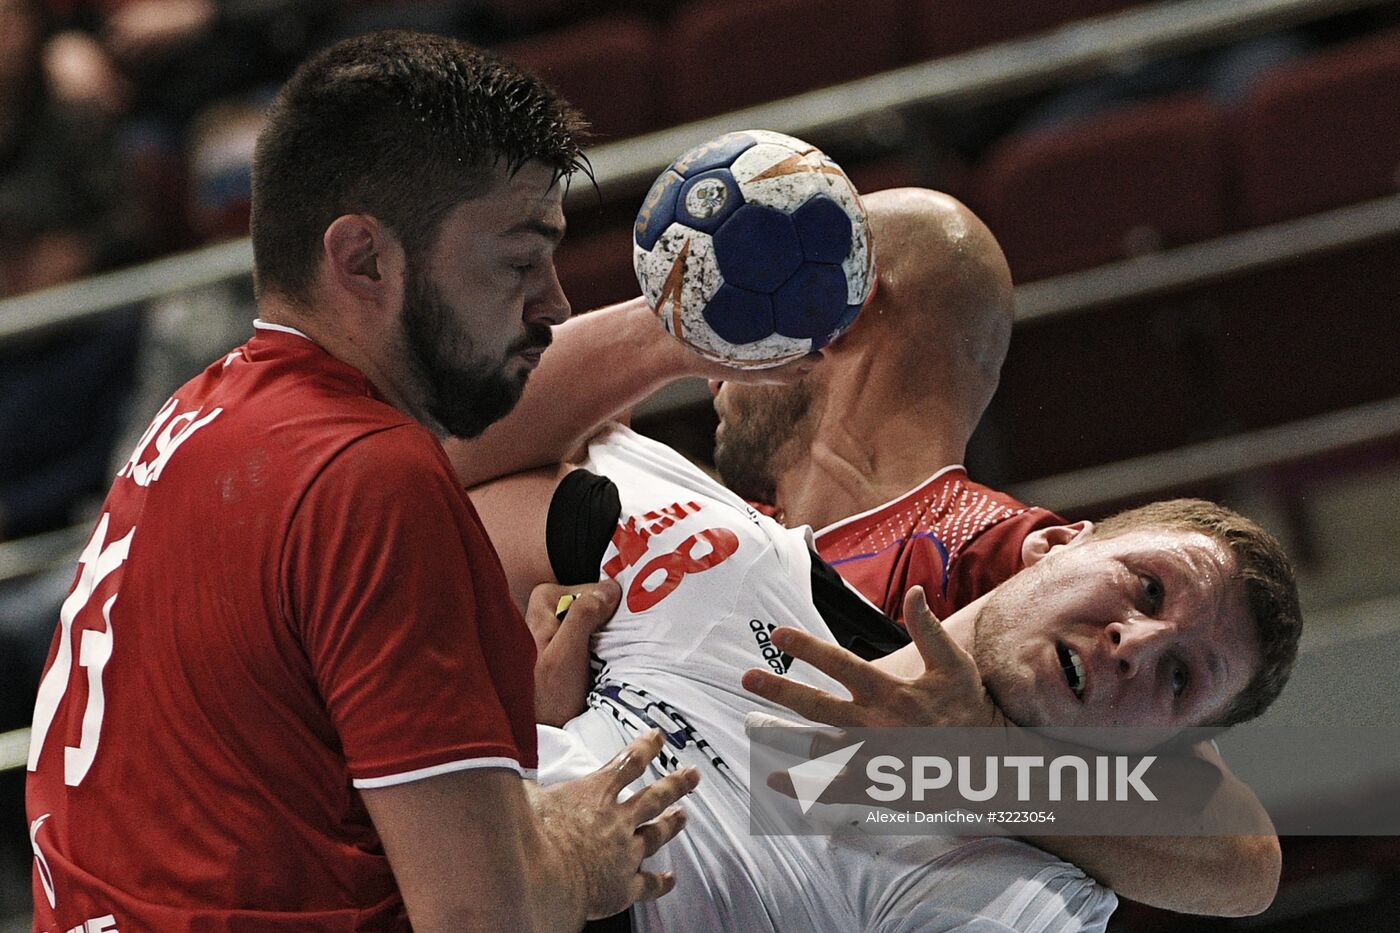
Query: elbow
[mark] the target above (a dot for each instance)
(1258, 862)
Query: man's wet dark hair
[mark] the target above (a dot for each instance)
(1271, 590)
(402, 126)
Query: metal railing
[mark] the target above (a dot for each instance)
(34, 313)
(1234, 254)
(1208, 461)
(24, 556)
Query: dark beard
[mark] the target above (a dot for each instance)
(761, 439)
(464, 393)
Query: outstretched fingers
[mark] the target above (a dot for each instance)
(653, 800)
(649, 885)
(854, 674)
(630, 763)
(816, 705)
(656, 833)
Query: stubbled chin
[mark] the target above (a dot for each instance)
(1023, 701)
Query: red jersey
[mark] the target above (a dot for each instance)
(955, 538)
(287, 597)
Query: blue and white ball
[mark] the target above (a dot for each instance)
(753, 249)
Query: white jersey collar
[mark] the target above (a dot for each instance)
(259, 324)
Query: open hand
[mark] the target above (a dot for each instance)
(949, 692)
(609, 840)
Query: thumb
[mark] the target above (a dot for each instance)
(936, 647)
(592, 608)
(587, 613)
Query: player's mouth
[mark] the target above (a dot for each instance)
(1073, 666)
(532, 345)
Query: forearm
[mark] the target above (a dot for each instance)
(1228, 865)
(600, 365)
(1225, 876)
(533, 889)
(470, 852)
(558, 883)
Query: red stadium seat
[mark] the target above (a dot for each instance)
(606, 68)
(596, 268)
(725, 55)
(1313, 335)
(1254, 351)
(1322, 133)
(1112, 186)
(1130, 379)
(946, 27)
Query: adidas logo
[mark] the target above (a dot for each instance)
(762, 633)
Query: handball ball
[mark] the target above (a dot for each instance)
(753, 249)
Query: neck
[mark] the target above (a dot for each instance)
(961, 626)
(867, 447)
(836, 481)
(355, 345)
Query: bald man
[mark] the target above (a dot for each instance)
(864, 443)
(868, 448)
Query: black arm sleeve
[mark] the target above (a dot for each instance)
(582, 516)
(859, 627)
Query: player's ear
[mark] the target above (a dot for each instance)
(363, 257)
(1044, 540)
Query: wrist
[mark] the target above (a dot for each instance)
(669, 360)
(557, 872)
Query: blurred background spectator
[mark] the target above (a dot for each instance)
(67, 209)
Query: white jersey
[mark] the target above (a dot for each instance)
(705, 579)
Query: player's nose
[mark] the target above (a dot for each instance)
(715, 385)
(1133, 644)
(549, 305)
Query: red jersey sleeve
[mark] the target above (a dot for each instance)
(418, 652)
(921, 564)
(993, 555)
